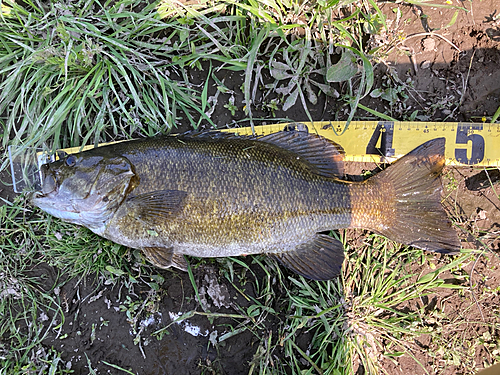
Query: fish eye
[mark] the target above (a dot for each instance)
(71, 161)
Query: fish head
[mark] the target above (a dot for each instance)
(85, 188)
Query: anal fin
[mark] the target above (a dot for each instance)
(165, 258)
(320, 258)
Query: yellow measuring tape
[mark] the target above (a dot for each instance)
(467, 144)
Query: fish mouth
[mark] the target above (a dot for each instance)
(49, 184)
(37, 195)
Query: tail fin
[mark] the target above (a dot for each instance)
(411, 192)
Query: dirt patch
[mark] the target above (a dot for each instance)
(134, 326)
(451, 70)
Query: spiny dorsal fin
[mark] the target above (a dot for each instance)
(320, 258)
(325, 157)
(210, 135)
(164, 257)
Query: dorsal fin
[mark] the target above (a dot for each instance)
(326, 157)
(211, 135)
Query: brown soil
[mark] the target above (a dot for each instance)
(454, 76)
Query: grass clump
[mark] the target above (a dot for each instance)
(32, 307)
(28, 312)
(374, 313)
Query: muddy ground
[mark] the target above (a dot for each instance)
(451, 73)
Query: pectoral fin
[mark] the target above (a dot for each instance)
(320, 258)
(165, 258)
(156, 205)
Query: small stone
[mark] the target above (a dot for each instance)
(482, 215)
(428, 44)
(426, 64)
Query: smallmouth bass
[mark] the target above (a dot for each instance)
(214, 194)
